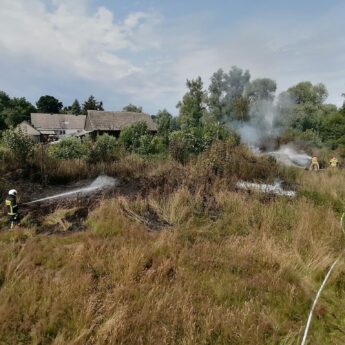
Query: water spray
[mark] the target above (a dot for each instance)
(100, 183)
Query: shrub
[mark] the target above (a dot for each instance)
(103, 150)
(195, 140)
(19, 144)
(130, 137)
(180, 146)
(150, 145)
(68, 148)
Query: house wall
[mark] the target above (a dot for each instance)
(35, 138)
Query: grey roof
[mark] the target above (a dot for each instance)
(57, 121)
(27, 129)
(115, 120)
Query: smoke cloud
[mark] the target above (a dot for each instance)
(261, 132)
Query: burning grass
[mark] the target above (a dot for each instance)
(229, 268)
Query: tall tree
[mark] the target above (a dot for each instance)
(235, 82)
(166, 124)
(5, 101)
(302, 107)
(132, 108)
(306, 92)
(216, 103)
(92, 104)
(75, 107)
(226, 99)
(240, 108)
(193, 105)
(261, 89)
(18, 110)
(49, 104)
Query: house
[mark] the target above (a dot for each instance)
(53, 126)
(113, 122)
(29, 131)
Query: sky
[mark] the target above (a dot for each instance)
(143, 51)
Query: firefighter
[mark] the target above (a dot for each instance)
(12, 207)
(314, 164)
(333, 162)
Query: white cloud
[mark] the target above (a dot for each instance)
(62, 47)
(281, 49)
(67, 38)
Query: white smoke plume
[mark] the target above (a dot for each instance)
(261, 132)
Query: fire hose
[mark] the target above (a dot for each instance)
(305, 335)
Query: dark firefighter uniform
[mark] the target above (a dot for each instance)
(12, 209)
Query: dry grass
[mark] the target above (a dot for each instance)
(228, 268)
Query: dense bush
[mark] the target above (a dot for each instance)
(150, 145)
(19, 144)
(195, 140)
(180, 146)
(130, 137)
(104, 149)
(68, 148)
(138, 139)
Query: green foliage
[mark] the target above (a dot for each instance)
(74, 109)
(13, 111)
(150, 145)
(306, 92)
(132, 108)
(130, 136)
(333, 130)
(193, 105)
(18, 143)
(18, 110)
(195, 140)
(4, 104)
(104, 149)
(49, 104)
(166, 124)
(180, 145)
(226, 99)
(68, 148)
(216, 103)
(240, 108)
(261, 89)
(138, 139)
(310, 137)
(92, 104)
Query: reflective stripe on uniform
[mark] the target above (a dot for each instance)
(10, 205)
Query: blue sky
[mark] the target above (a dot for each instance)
(142, 51)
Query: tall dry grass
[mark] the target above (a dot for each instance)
(188, 260)
(225, 268)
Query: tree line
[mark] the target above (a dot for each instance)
(232, 98)
(15, 110)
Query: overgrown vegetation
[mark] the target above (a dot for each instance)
(175, 254)
(226, 267)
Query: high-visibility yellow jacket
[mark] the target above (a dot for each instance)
(314, 160)
(11, 204)
(333, 162)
